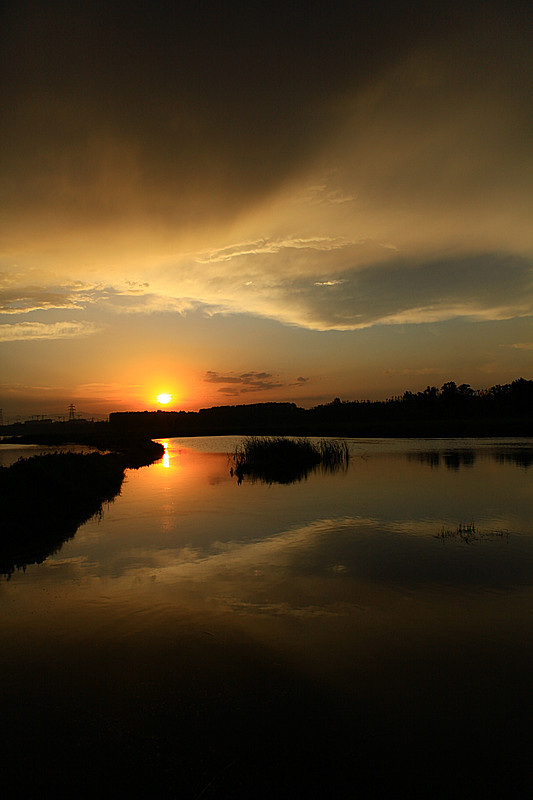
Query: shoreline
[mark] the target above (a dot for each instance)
(45, 498)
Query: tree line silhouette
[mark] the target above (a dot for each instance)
(451, 410)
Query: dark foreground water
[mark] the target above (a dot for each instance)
(348, 635)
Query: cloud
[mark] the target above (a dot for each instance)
(106, 388)
(247, 382)
(369, 165)
(244, 383)
(415, 371)
(142, 302)
(35, 298)
(270, 247)
(200, 116)
(484, 287)
(27, 331)
(323, 194)
(202, 121)
(370, 287)
(123, 297)
(14, 388)
(522, 346)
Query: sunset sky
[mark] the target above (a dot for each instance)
(241, 202)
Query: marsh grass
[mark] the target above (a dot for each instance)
(278, 459)
(469, 533)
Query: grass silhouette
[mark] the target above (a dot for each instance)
(277, 459)
(468, 533)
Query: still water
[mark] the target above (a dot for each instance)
(360, 633)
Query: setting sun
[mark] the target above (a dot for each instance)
(164, 398)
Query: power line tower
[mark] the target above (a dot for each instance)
(71, 410)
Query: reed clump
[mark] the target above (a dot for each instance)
(279, 459)
(468, 533)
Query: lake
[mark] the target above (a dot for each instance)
(365, 632)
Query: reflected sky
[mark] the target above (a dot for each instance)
(343, 582)
(184, 526)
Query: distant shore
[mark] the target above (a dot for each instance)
(448, 411)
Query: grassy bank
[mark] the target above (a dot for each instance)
(45, 498)
(284, 460)
(136, 451)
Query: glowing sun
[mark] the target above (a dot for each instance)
(164, 398)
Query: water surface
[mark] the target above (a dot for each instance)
(206, 638)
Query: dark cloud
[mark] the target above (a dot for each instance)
(214, 377)
(36, 298)
(127, 109)
(248, 382)
(326, 165)
(490, 286)
(244, 383)
(301, 381)
(255, 376)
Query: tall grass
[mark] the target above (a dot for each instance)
(469, 533)
(277, 459)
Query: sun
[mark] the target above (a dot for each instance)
(164, 398)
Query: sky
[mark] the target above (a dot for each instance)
(249, 202)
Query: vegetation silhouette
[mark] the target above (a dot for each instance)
(467, 457)
(46, 498)
(521, 458)
(468, 533)
(283, 460)
(453, 410)
(136, 450)
(50, 496)
(451, 459)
